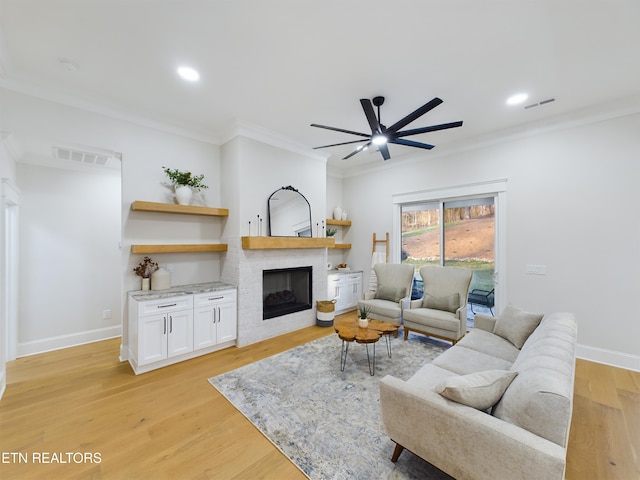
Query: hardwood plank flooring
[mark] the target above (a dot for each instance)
(170, 423)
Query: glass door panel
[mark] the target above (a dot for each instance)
(469, 242)
(421, 236)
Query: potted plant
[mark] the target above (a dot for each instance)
(184, 183)
(331, 232)
(363, 314)
(144, 269)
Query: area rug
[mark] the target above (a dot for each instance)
(326, 421)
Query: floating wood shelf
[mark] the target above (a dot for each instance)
(180, 248)
(258, 243)
(343, 223)
(344, 246)
(141, 206)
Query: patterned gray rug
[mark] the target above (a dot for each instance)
(327, 421)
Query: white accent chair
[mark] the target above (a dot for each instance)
(393, 293)
(442, 311)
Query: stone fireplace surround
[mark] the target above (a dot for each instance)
(244, 268)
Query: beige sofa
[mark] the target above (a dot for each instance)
(524, 435)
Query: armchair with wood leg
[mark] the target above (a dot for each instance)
(393, 291)
(442, 311)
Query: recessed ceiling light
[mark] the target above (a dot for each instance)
(189, 74)
(517, 99)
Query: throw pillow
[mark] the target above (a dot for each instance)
(393, 294)
(479, 390)
(516, 325)
(450, 303)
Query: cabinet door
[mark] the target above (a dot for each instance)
(335, 290)
(180, 333)
(227, 322)
(204, 327)
(353, 289)
(152, 338)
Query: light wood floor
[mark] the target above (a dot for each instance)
(170, 423)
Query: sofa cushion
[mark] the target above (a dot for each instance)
(450, 303)
(486, 342)
(540, 398)
(462, 361)
(393, 294)
(516, 325)
(479, 390)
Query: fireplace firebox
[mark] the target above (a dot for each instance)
(286, 290)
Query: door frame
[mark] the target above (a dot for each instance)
(495, 188)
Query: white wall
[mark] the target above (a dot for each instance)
(571, 201)
(69, 256)
(144, 150)
(253, 170)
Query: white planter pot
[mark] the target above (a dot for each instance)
(183, 194)
(363, 322)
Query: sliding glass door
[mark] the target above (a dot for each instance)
(458, 232)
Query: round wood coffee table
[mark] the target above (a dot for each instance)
(348, 331)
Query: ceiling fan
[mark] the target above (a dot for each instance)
(381, 135)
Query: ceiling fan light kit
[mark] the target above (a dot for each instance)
(381, 135)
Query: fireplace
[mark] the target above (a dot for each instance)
(286, 290)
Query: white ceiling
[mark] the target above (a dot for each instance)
(284, 64)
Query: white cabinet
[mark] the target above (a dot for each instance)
(161, 329)
(346, 289)
(214, 319)
(335, 288)
(179, 326)
(353, 289)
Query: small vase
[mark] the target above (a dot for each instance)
(160, 279)
(344, 215)
(183, 194)
(146, 283)
(363, 322)
(337, 213)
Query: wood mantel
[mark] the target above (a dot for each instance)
(258, 243)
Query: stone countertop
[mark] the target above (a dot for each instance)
(181, 290)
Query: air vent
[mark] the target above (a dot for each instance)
(78, 156)
(542, 102)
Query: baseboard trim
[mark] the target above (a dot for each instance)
(65, 341)
(609, 357)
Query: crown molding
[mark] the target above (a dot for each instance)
(89, 106)
(240, 128)
(594, 114)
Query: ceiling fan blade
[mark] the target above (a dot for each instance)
(341, 130)
(370, 114)
(411, 143)
(432, 128)
(358, 150)
(415, 114)
(384, 151)
(343, 143)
